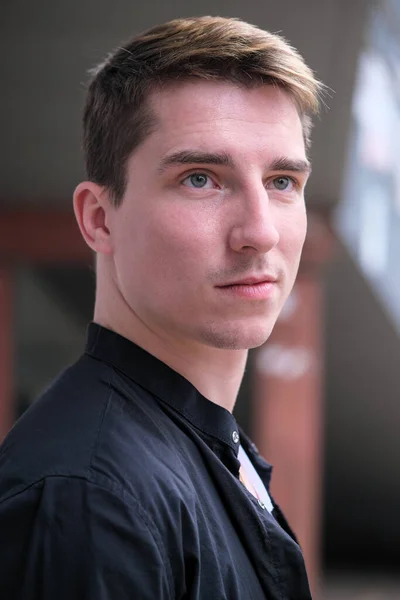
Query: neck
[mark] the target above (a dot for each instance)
(216, 373)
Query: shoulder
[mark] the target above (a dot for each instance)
(93, 423)
(97, 461)
(56, 435)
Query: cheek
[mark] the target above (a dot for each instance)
(169, 243)
(292, 236)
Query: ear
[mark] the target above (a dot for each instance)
(91, 206)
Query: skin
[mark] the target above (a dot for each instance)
(215, 194)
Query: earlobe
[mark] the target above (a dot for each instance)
(90, 207)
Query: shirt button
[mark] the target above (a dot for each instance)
(261, 504)
(235, 437)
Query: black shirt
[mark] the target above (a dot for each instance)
(121, 482)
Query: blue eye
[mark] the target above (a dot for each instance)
(197, 180)
(282, 183)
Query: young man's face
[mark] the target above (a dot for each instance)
(208, 238)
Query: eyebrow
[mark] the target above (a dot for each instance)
(289, 164)
(190, 157)
(186, 157)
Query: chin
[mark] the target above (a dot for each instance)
(238, 336)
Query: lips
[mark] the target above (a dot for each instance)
(251, 281)
(253, 288)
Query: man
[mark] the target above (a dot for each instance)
(129, 477)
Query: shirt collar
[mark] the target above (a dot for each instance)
(164, 383)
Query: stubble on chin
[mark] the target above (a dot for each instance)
(235, 336)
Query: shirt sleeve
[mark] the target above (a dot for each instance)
(67, 538)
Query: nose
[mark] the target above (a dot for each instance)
(254, 230)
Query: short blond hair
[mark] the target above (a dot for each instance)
(117, 117)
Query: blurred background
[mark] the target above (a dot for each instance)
(321, 397)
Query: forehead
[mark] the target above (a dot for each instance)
(224, 114)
